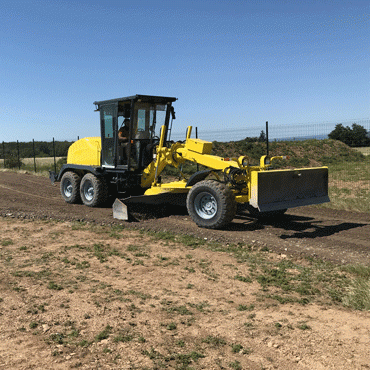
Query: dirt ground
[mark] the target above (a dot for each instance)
(338, 236)
(91, 296)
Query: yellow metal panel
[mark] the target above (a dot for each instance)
(199, 146)
(85, 151)
(173, 187)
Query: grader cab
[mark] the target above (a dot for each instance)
(130, 169)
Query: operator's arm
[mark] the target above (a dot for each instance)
(123, 136)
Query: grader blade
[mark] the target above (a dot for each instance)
(281, 189)
(120, 210)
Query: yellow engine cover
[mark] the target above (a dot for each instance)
(85, 151)
(199, 146)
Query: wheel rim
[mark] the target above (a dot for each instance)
(88, 191)
(205, 205)
(67, 188)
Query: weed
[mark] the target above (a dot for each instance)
(6, 242)
(152, 354)
(303, 326)
(84, 343)
(33, 325)
(187, 358)
(214, 341)
(242, 307)
(235, 365)
(54, 286)
(357, 294)
(123, 338)
(57, 338)
(181, 310)
(171, 326)
(243, 279)
(104, 334)
(236, 348)
(99, 252)
(141, 295)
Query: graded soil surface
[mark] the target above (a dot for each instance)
(334, 235)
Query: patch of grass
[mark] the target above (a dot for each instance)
(57, 338)
(54, 286)
(171, 326)
(124, 338)
(357, 294)
(104, 334)
(33, 325)
(236, 348)
(181, 310)
(242, 307)
(187, 358)
(235, 365)
(244, 279)
(214, 341)
(303, 326)
(6, 242)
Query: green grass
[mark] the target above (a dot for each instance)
(349, 185)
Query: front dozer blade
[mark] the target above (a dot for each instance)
(121, 212)
(281, 189)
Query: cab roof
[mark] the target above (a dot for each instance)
(143, 98)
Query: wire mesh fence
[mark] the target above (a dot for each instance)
(276, 132)
(37, 155)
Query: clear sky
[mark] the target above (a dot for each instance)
(231, 63)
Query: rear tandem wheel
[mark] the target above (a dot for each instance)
(93, 190)
(70, 187)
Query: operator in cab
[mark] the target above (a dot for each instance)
(123, 138)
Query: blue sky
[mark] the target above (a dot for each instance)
(232, 63)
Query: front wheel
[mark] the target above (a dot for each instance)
(211, 204)
(93, 190)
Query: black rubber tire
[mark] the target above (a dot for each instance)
(265, 215)
(70, 187)
(211, 204)
(93, 190)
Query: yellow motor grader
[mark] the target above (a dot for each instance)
(101, 167)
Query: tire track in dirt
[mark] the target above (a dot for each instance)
(22, 192)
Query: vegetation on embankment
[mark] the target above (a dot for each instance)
(301, 153)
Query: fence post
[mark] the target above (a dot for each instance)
(196, 136)
(34, 154)
(267, 138)
(19, 160)
(55, 164)
(4, 153)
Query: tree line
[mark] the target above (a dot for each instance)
(37, 149)
(355, 136)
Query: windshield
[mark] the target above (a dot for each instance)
(148, 119)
